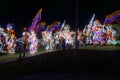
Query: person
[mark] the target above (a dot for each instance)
(25, 37)
(25, 48)
(63, 44)
(20, 49)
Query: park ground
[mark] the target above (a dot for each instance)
(90, 63)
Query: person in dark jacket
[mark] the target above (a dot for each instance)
(20, 49)
(25, 48)
(63, 43)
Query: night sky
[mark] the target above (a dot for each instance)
(21, 12)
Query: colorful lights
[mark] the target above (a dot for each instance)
(33, 43)
(112, 17)
(51, 35)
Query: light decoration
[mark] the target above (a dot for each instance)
(10, 39)
(40, 27)
(99, 34)
(2, 39)
(33, 43)
(32, 38)
(36, 20)
(95, 33)
(117, 42)
(88, 31)
(114, 16)
(48, 40)
(54, 26)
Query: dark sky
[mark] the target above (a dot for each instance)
(21, 12)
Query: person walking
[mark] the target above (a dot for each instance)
(63, 44)
(20, 49)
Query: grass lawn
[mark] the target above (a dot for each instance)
(101, 48)
(41, 50)
(88, 59)
(4, 57)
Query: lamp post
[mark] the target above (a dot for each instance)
(76, 25)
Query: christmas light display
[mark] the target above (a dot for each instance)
(10, 39)
(50, 36)
(33, 43)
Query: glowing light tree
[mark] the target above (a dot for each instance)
(97, 32)
(111, 34)
(32, 38)
(80, 38)
(87, 31)
(67, 34)
(48, 40)
(10, 39)
(33, 43)
(3, 36)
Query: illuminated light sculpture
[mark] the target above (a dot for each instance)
(11, 44)
(58, 35)
(100, 34)
(36, 20)
(33, 43)
(1, 31)
(67, 35)
(115, 42)
(63, 25)
(32, 38)
(54, 26)
(114, 16)
(80, 37)
(87, 31)
(48, 39)
(40, 27)
(97, 33)
(3, 36)
(111, 34)
(10, 39)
